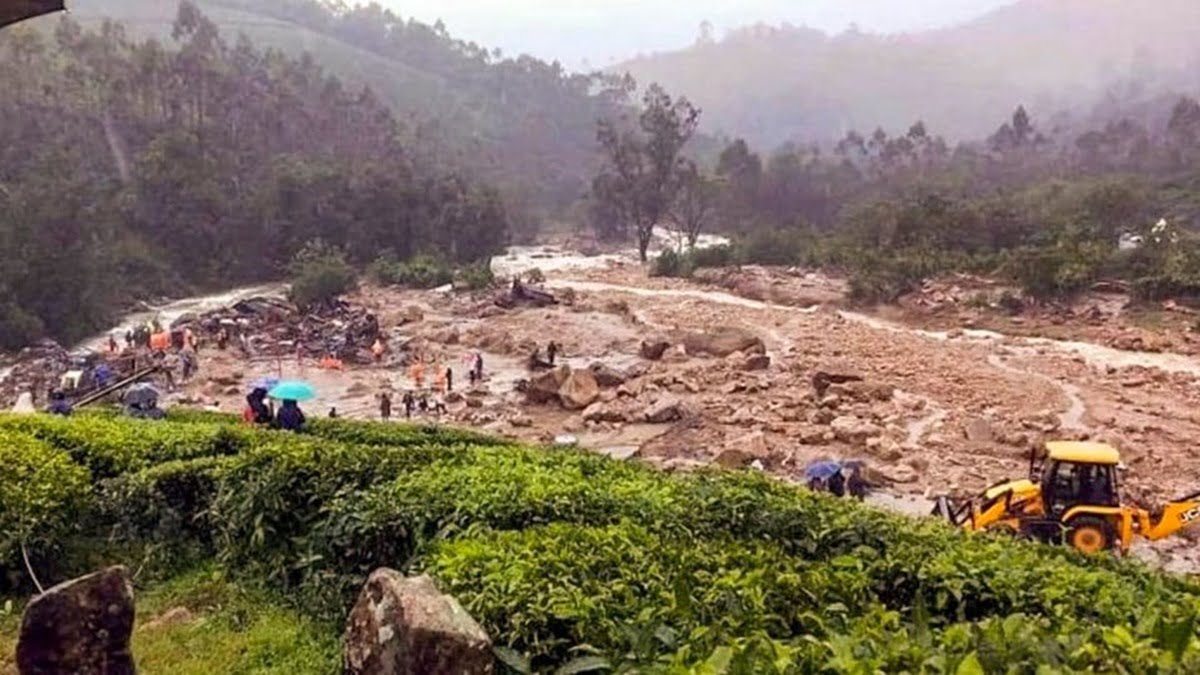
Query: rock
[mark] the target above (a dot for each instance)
(80, 626)
(850, 429)
(979, 430)
(821, 416)
(663, 410)
(723, 342)
(756, 362)
(404, 625)
(733, 458)
(544, 388)
(454, 397)
(412, 314)
(603, 412)
(445, 336)
(902, 474)
(230, 380)
(520, 421)
(579, 390)
(676, 354)
(863, 392)
(474, 402)
(918, 464)
(653, 349)
(607, 376)
(811, 435)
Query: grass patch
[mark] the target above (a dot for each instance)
(201, 622)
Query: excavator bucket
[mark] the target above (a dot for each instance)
(13, 11)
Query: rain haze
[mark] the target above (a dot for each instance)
(462, 337)
(598, 33)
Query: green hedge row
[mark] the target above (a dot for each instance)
(569, 557)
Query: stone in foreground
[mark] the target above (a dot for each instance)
(80, 627)
(405, 626)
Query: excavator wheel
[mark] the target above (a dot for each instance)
(1090, 534)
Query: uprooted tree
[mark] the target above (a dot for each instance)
(643, 164)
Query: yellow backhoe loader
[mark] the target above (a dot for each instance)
(1070, 497)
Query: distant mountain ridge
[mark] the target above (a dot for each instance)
(773, 84)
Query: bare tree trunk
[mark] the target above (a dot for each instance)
(644, 233)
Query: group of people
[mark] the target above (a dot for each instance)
(260, 411)
(413, 403)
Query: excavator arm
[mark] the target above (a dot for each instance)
(1176, 515)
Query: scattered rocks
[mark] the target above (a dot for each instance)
(663, 410)
(404, 625)
(849, 429)
(80, 626)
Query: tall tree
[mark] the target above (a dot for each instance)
(642, 163)
(695, 202)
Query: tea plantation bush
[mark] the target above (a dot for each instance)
(573, 560)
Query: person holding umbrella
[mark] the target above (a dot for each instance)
(290, 417)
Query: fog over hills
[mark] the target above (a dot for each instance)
(777, 83)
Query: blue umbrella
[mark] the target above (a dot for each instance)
(292, 390)
(822, 470)
(264, 383)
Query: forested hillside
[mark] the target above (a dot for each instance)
(774, 84)
(129, 168)
(526, 125)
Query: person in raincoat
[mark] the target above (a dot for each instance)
(290, 417)
(385, 406)
(417, 373)
(59, 405)
(377, 350)
(259, 413)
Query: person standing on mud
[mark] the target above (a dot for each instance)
(385, 406)
(449, 379)
(409, 402)
(552, 352)
(417, 373)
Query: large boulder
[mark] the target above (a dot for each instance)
(80, 626)
(605, 412)
(607, 376)
(850, 429)
(723, 342)
(405, 626)
(579, 390)
(544, 388)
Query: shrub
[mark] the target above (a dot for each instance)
(319, 273)
(41, 493)
(713, 256)
(672, 263)
(476, 276)
(419, 271)
(773, 247)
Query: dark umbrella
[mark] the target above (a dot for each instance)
(12, 11)
(822, 470)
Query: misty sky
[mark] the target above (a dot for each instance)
(605, 31)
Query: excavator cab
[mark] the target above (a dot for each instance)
(1080, 502)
